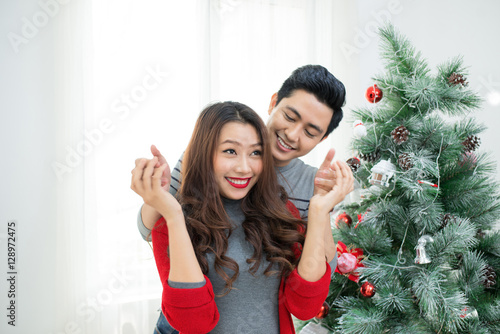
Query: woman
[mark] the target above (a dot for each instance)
(232, 232)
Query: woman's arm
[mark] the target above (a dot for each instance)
(324, 181)
(312, 264)
(188, 307)
(149, 216)
(190, 310)
(146, 182)
(319, 246)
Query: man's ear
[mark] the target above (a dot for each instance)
(272, 104)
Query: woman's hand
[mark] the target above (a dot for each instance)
(324, 180)
(165, 177)
(324, 201)
(147, 183)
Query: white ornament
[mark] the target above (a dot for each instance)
(359, 129)
(382, 173)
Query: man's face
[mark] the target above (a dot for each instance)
(296, 125)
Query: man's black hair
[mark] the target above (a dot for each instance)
(317, 80)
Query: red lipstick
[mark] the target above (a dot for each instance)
(240, 182)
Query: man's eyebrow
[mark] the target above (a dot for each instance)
(235, 142)
(314, 126)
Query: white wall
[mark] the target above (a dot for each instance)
(27, 146)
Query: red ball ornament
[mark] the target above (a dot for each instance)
(373, 94)
(325, 309)
(367, 289)
(343, 218)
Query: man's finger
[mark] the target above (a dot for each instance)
(328, 159)
(156, 152)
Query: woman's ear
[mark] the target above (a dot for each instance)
(272, 104)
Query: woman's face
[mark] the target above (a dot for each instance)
(237, 160)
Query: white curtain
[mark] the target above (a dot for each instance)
(124, 75)
(199, 51)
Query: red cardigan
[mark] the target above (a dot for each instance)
(194, 310)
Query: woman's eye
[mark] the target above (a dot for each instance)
(257, 152)
(230, 151)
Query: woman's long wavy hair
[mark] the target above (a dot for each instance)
(269, 226)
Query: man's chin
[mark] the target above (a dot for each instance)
(282, 158)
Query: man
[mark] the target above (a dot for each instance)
(306, 109)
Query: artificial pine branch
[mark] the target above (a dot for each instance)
(471, 274)
(453, 238)
(400, 55)
(453, 65)
(364, 320)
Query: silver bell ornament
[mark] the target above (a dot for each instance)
(422, 257)
(382, 173)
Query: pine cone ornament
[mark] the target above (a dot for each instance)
(414, 296)
(354, 163)
(490, 277)
(400, 134)
(405, 162)
(457, 79)
(480, 234)
(370, 157)
(446, 219)
(471, 143)
(459, 257)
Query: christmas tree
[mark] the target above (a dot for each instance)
(418, 251)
